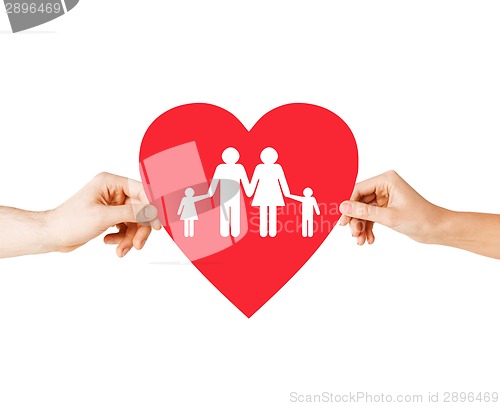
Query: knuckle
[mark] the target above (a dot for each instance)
(392, 174)
(130, 212)
(363, 210)
(101, 176)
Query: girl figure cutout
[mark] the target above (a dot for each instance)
(187, 211)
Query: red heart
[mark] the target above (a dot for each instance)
(182, 149)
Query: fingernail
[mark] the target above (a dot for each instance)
(150, 212)
(125, 252)
(346, 208)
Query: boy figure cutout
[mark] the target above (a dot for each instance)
(309, 207)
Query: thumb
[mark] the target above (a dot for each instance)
(130, 213)
(364, 211)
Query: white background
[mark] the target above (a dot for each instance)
(418, 84)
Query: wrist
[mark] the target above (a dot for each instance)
(52, 222)
(46, 241)
(442, 226)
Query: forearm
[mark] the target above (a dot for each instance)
(475, 232)
(23, 232)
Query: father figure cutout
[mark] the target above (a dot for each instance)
(228, 176)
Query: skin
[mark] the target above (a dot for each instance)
(106, 201)
(110, 200)
(387, 199)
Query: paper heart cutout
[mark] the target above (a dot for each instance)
(183, 148)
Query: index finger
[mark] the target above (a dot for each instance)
(131, 188)
(367, 187)
(136, 191)
(365, 192)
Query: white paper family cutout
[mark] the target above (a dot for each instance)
(268, 187)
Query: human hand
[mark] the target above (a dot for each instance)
(387, 199)
(106, 201)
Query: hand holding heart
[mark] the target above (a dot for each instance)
(387, 199)
(107, 200)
